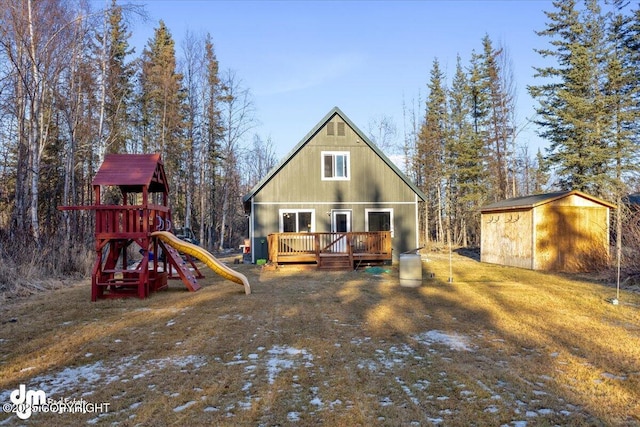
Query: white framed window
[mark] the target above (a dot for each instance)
(378, 220)
(297, 220)
(336, 165)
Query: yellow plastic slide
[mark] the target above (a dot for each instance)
(204, 256)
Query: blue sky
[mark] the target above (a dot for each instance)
(299, 59)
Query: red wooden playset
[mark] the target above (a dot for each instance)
(131, 226)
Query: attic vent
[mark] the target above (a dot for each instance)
(340, 128)
(330, 130)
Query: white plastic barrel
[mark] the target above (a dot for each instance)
(410, 270)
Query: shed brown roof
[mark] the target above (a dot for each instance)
(528, 202)
(132, 172)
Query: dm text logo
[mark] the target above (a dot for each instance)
(25, 400)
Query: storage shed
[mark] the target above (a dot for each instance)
(562, 231)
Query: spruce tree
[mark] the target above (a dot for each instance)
(118, 82)
(467, 158)
(210, 154)
(572, 109)
(162, 102)
(622, 92)
(431, 153)
(622, 95)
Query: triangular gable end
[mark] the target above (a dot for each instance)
(309, 136)
(132, 172)
(159, 183)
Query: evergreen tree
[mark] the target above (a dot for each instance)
(622, 95)
(572, 111)
(467, 160)
(118, 76)
(210, 152)
(622, 91)
(162, 102)
(541, 178)
(192, 70)
(479, 96)
(431, 154)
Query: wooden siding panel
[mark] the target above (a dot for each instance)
(300, 180)
(568, 234)
(506, 238)
(573, 200)
(571, 238)
(404, 231)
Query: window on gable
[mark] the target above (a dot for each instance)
(341, 131)
(335, 165)
(330, 130)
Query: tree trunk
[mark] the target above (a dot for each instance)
(36, 119)
(223, 222)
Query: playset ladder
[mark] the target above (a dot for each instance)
(175, 259)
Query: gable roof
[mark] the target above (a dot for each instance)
(532, 201)
(131, 172)
(311, 134)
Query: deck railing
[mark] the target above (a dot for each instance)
(308, 247)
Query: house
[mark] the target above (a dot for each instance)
(563, 231)
(335, 192)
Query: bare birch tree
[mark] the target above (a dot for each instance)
(237, 120)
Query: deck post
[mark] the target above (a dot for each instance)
(316, 247)
(350, 249)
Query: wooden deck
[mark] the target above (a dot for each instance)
(330, 250)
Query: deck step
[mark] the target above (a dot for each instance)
(335, 262)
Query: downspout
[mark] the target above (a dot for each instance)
(251, 232)
(417, 221)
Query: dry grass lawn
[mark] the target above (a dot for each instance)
(497, 346)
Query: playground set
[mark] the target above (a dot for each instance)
(141, 224)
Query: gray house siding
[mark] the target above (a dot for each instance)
(373, 184)
(404, 232)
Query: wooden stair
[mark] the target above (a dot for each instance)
(328, 261)
(187, 276)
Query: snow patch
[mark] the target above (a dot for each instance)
(614, 377)
(185, 406)
(293, 416)
(284, 357)
(91, 376)
(453, 341)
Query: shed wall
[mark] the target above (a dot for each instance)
(506, 238)
(571, 238)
